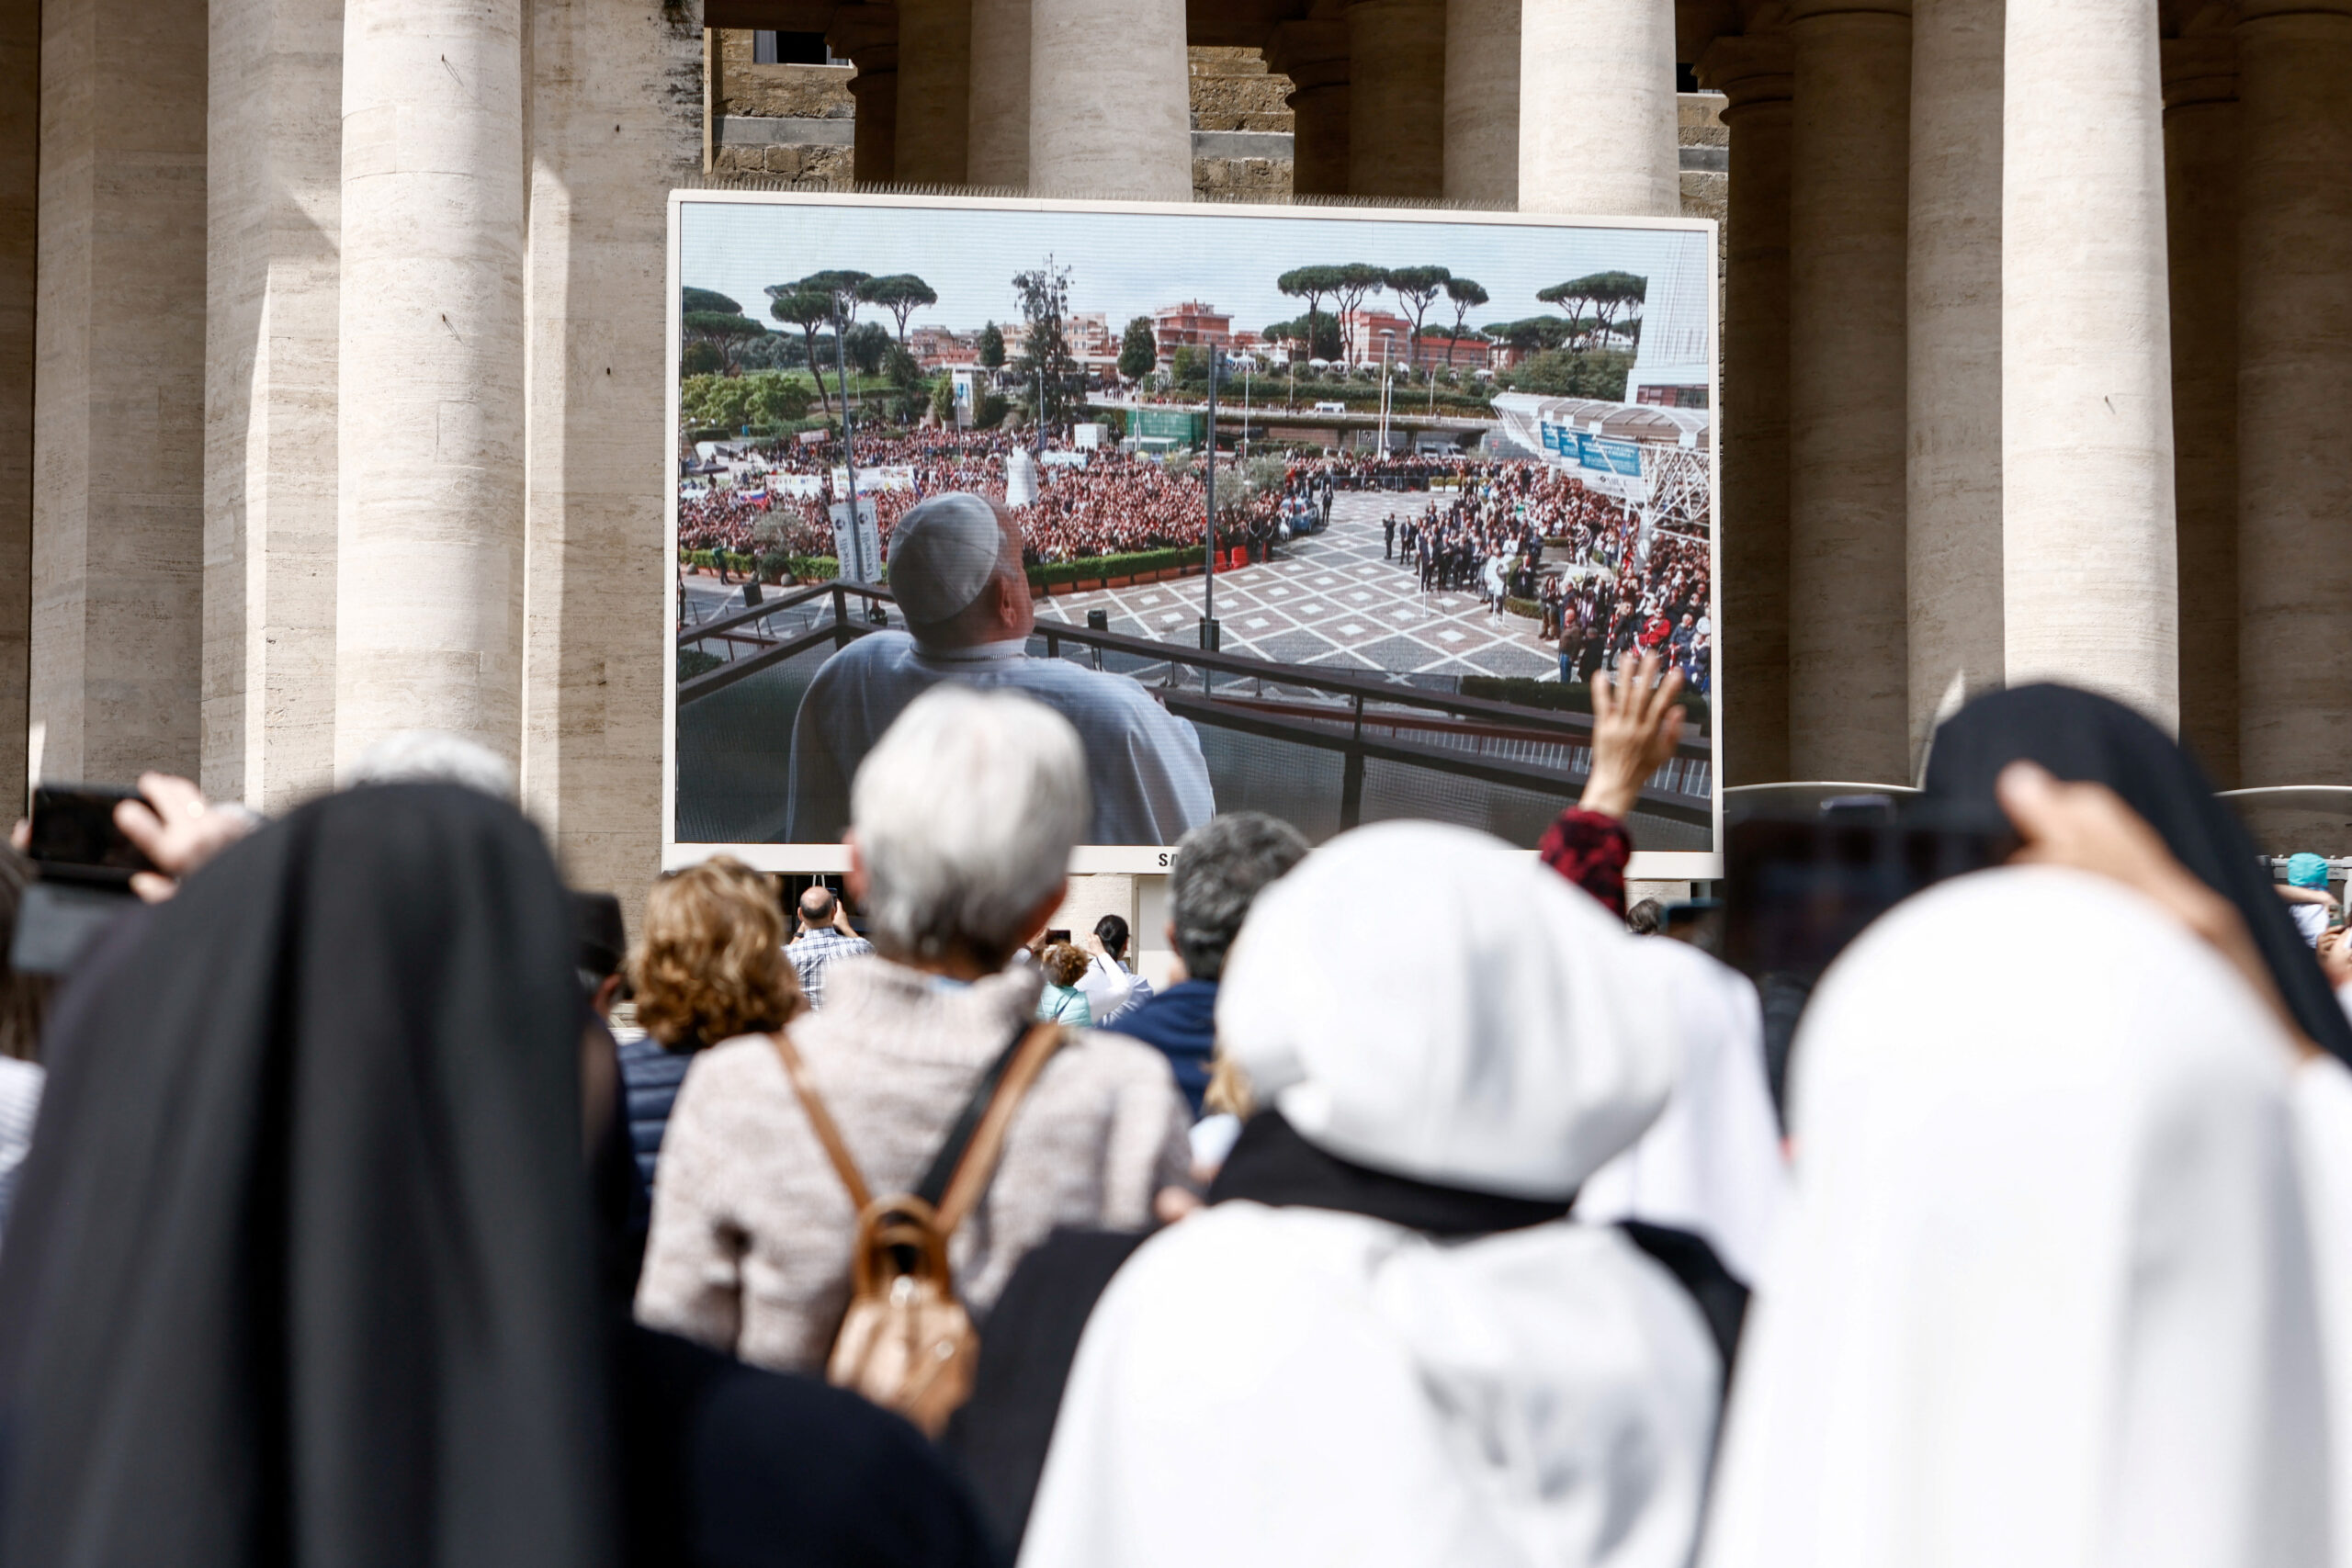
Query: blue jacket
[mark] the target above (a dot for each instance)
(1180, 1023)
(650, 1074)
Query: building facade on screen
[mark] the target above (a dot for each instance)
(335, 337)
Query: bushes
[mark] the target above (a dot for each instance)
(1135, 563)
(694, 662)
(1528, 607)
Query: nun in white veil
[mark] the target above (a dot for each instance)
(2046, 1295)
(1384, 1343)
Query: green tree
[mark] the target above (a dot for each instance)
(1324, 342)
(720, 400)
(1466, 297)
(711, 318)
(943, 398)
(1352, 283)
(775, 397)
(1138, 352)
(868, 343)
(1535, 333)
(902, 294)
(701, 360)
(1415, 287)
(1313, 285)
(991, 347)
(810, 310)
(1606, 294)
(1045, 364)
(1562, 373)
(841, 288)
(710, 299)
(1189, 366)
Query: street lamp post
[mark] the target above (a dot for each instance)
(1210, 639)
(860, 568)
(1387, 341)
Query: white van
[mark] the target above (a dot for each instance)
(1330, 408)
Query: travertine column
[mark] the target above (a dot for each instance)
(2086, 530)
(595, 467)
(118, 389)
(1753, 645)
(269, 446)
(2294, 387)
(1954, 550)
(1397, 105)
(935, 90)
(1314, 55)
(1850, 165)
(429, 588)
(19, 274)
(1482, 102)
(2201, 247)
(1109, 99)
(997, 145)
(869, 36)
(1596, 80)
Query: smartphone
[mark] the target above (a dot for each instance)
(1799, 889)
(74, 838)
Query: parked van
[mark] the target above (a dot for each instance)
(1330, 408)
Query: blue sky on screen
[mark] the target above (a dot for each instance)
(1128, 264)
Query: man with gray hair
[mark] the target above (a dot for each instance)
(964, 815)
(956, 570)
(1221, 867)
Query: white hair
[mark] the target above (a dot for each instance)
(434, 756)
(966, 812)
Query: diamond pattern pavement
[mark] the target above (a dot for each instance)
(1331, 600)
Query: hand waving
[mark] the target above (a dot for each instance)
(1636, 725)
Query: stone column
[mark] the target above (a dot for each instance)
(1482, 102)
(1850, 162)
(269, 449)
(934, 91)
(1753, 73)
(1953, 550)
(1314, 55)
(869, 36)
(2200, 80)
(117, 544)
(1597, 77)
(998, 140)
(594, 467)
(2086, 510)
(1110, 100)
(429, 593)
(19, 286)
(1397, 108)
(2294, 385)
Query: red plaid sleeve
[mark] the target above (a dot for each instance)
(1590, 850)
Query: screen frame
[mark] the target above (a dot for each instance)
(1148, 859)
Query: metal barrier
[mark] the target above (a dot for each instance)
(1362, 718)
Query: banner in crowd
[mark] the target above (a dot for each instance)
(1371, 582)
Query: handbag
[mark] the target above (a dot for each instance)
(907, 1343)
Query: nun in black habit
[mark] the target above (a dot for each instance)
(306, 1271)
(2082, 738)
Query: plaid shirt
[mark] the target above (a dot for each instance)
(1590, 850)
(812, 952)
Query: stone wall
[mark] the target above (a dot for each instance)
(1242, 126)
(791, 123)
(19, 196)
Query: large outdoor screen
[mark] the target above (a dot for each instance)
(1332, 514)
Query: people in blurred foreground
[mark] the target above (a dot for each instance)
(1221, 867)
(2308, 900)
(2048, 1295)
(1112, 988)
(303, 1265)
(1063, 965)
(825, 937)
(1384, 1343)
(708, 966)
(964, 817)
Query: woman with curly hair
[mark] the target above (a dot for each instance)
(708, 965)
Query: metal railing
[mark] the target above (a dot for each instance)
(1362, 718)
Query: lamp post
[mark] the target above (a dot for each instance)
(1248, 366)
(1387, 341)
(860, 568)
(1210, 639)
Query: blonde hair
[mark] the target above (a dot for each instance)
(710, 963)
(1064, 964)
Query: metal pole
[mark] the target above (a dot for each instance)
(860, 567)
(1209, 638)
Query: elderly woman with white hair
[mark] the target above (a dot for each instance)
(963, 818)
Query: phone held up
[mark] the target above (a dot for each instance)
(83, 864)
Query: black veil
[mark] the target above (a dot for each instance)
(2082, 737)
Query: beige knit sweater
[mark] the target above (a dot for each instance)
(752, 1228)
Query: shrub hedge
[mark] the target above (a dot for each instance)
(1099, 568)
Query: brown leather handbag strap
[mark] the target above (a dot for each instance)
(829, 1134)
(978, 1164)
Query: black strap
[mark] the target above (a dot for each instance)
(934, 1182)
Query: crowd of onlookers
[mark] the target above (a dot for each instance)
(1395, 1204)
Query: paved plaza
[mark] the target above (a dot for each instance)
(1331, 600)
